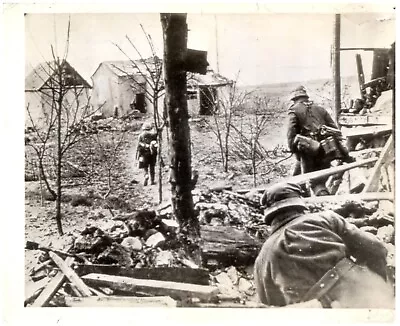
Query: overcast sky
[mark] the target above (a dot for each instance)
(265, 48)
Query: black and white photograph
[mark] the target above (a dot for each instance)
(208, 158)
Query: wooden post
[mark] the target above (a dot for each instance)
(175, 51)
(336, 67)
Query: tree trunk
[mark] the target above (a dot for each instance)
(175, 49)
(59, 152)
(58, 178)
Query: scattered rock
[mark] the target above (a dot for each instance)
(115, 254)
(170, 225)
(386, 234)
(155, 240)
(233, 274)
(115, 229)
(245, 285)
(164, 258)
(391, 254)
(224, 279)
(132, 243)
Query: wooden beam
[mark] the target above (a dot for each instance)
(50, 290)
(364, 119)
(303, 178)
(71, 275)
(176, 290)
(362, 49)
(120, 301)
(366, 131)
(386, 154)
(336, 67)
(366, 151)
(32, 289)
(228, 246)
(371, 196)
(174, 274)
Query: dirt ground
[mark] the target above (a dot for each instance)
(129, 193)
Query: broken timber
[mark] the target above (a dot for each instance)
(176, 290)
(227, 246)
(120, 301)
(303, 178)
(174, 274)
(33, 289)
(71, 275)
(50, 290)
(358, 119)
(384, 159)
(366, 131)
(372, 196)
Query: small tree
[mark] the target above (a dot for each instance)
(226, 106)
(63, 113)
(258, 124)
(109, 145)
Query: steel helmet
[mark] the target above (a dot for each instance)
(298, 92)
(147, 126)
(279, 197)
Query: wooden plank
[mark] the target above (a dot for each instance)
(175, 290)
(366, 151)
(32, 289)
(174, 274)
(47, 294)
(120, 301)
(386, 155)
(366, 131)
(70, 274)
(372, 196)
(364, 120)
(303, 178)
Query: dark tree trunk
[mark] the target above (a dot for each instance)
(175, 49)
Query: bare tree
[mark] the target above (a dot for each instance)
(151, 71)
(109, 144)
(226, 106)
(66, 108)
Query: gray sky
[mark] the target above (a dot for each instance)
(266, 48)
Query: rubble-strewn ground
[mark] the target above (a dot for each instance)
(140, 241)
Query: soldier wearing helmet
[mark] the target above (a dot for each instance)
(310, 256)
(147, 152)
(306, 119)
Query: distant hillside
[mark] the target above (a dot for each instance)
(279, 89)
(320, 90)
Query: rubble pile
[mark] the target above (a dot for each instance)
(139, 255)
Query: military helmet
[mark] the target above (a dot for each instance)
(298, 92)
(147, 126)
(281, 196)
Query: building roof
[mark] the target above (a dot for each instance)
(44, 71)
(127, 68)
(211, 78)
(123, 68)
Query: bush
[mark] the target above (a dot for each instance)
(80, 200)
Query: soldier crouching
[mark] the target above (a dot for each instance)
(318, 256)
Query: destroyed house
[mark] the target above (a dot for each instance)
(41, 84)
(205, 90)
(120, 87)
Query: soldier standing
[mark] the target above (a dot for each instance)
(305, 122)
(147, 152)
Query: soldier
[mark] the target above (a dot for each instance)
(147, 152)
(306, 120)
(311, 256)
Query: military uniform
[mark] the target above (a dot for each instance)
(303, 247)
(306, 118)
(147, 152)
